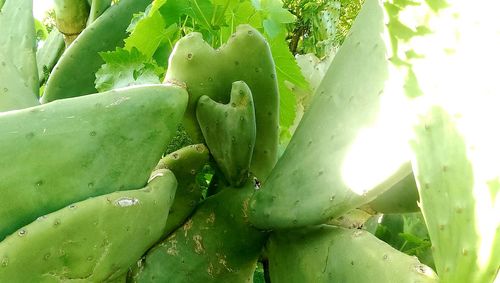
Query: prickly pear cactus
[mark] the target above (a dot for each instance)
(205, 71)
(71, 77)
(400, 198)
(229, 131)
(71, 17)
(185, 163)
(333, 254)
(455, 199)
(18, 67)
(102, 138)
(90, 240)
(217, 244)
(350, 130)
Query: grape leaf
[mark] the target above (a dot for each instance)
(125, 68)
(287, 70)
(147, 35)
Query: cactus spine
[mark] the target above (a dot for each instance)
(229, 131)
(94, 240)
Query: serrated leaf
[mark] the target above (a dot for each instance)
(147, 35)
(125, 68)
(173, 10)
(287, 69)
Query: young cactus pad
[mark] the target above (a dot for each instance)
(229, 131)
(205, 71)
(350, 145)
(333, 254)
(110, 141)
(95, 240)
(185, 163)
(18, 69)
(74, 73)
(217, 244)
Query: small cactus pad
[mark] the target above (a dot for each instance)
(352, 143)
(185, 163)
(74, 73)
(217, 244)
(94, 240)
(205, 71)
(229, 131)
(66, 151)
(332, 254)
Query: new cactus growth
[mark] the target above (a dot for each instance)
(102, 138)
(205, 71)
(229, 131)
(217, 244)
(185, 163)
(332, 254)
(74, 73)
(94, 240)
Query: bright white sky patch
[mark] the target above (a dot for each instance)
(40, 7)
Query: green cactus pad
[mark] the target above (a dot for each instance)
(332, 254)
(352, 143)
(205, 71)
(185, 163)
(400, 198)
(49, 53)
(94, 240)
(466, 246)
(74, 73)
(18, 69)
(229, 131)
(69, 150)
(97, 8)
(217, 244)
(71, 17)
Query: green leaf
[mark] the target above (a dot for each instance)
(125, 68)
(173, 10)
(274, 15)
(147, 35)
(287, 69)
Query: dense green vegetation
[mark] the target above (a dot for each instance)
(249, 140)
